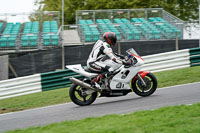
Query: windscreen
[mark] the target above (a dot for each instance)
(132, 51)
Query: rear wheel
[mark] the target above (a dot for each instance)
(151, 85)
(79, 96)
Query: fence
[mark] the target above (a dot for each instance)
(194, 57)
(20, 86)
(126, 13)
(59, 79)
(167, 61)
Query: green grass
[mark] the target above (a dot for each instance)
(178, 76)
(166, 78)
(34, 100)
(178, 119)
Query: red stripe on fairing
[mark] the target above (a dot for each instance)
(142, 74)
(109, 41)
(137, 56)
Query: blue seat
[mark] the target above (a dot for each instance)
(3, 42)
(11, 42)
(24, 41)
(88, 36)
(46, 40)
(33, 40)
(54, 39)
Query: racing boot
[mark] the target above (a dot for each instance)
(101, 76)
(98, 78)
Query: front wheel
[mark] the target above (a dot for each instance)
(78, 96)
(151, 85)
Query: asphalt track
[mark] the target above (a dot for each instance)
(169, 96)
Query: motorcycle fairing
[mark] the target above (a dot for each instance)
(79, 69)
(121, 81)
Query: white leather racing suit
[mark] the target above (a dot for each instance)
(96, 58)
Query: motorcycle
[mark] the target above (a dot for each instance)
(123, 80)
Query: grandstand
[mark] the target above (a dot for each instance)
(30, 36)
(134, 29)
(9, 35)
(129, 25)
(39, 34)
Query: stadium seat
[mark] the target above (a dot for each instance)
(33, 40)
(107, 21)
(11, 42)
(50, 29)
(46, 40)
(30, 36)
(129, 31)
(90, 33)
(105, 25)
(3, 42)
(88, 36)
(133, 29)
(148, 28)
(100, 21)
(96, 35)
(24, 40)
(1, 26)
(54, 39)
(10, 34)
(136, 34)
(168, 30)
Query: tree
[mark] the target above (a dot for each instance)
(187, 9)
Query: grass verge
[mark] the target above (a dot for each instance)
(178, 119)
(178, 76)
(166, 78)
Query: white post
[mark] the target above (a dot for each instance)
(62, 12)
(199, 22)
(62, 29)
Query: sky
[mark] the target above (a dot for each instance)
(16, 6)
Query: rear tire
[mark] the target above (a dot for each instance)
(76, 95)
(151, 85)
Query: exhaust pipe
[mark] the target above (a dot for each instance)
(83, 84)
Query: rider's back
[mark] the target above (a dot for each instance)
(98, 51)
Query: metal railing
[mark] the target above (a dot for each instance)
(118, 13)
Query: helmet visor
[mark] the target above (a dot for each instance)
(114, 40)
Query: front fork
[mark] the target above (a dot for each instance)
(141, 79)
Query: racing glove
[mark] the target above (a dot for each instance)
(127, 62)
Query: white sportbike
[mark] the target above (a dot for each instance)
(124, 79)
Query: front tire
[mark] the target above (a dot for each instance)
(150, 88)
(78, 97)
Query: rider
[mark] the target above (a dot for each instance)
(98, 54)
